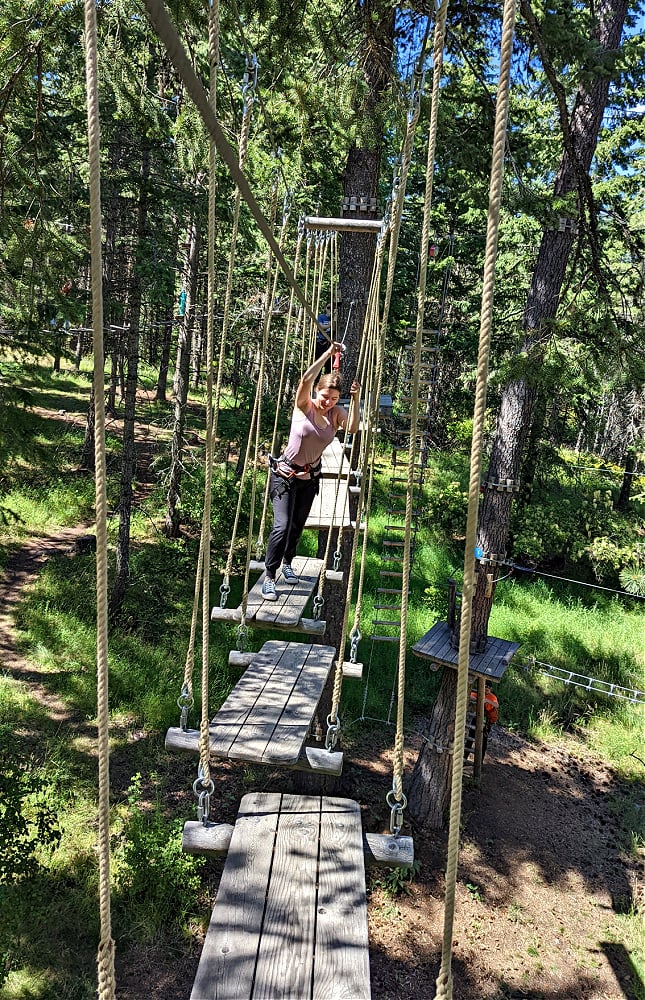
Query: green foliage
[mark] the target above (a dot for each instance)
(397, 881)
(156, 885)
(28, 818)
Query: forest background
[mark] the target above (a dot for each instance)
(327, 121)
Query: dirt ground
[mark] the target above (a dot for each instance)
(542, 879)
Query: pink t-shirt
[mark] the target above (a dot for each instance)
(307, 440)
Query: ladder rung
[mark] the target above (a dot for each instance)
(388, 590)
(394, 527)
(386, 621)
(386, 607)
(386, 638)
(395, 543)
(390, 572)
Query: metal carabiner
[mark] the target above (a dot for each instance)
(319, 603)
(185, 702)
(333, 732)
(396, 811)
(242, 638)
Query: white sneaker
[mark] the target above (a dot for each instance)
(288, 574)
(268, 590)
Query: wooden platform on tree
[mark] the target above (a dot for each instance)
(435, 646)
(334, 461)
(290, 919)
(287, 611)
(266, 717)
(329, 510)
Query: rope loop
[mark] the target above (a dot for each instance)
(338, 555)
(333, 732)
(185, 702)
(396, 811)
(224, 592)
(243, 633)
(319, 603)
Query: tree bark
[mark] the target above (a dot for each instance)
(518, 397)
(429, 792)
(180, 387)
(431, 779)
(129, 457)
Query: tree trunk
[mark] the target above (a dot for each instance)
(429, 792)
(87, 455)
(518, 396)
(622, 503)
(180, 387)
(129, 457)
(361, 177)
(431, 779)
(164, 357)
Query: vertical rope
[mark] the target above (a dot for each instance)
(205, 543)
(105, 958)
(444, 979)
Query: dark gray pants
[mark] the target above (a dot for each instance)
(292, 500)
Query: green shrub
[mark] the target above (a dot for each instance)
(28, 820)
(156, 884)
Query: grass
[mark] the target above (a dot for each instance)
(50, 941)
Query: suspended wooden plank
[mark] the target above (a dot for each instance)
(266, 717)
(334, 461)
(287, 611)
(380, 850)
(436, 647)
(343, 225)
(291, 915)
(330, 508)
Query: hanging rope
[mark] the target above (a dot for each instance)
(333, 722)
(205, 784)
(105, 958)
(259, 547)
(444, 979)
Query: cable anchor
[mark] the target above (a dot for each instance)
(396, 811)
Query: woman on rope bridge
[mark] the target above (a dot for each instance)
(295, 475)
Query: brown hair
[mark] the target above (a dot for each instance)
(331, 381)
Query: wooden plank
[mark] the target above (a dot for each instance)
(292, 598)
(310, 759)
(227, 964)
(334, 461)
(436, 646)
(330, 508)
(286, 949)
(341, 968)
(212, 840)
(291, 731)
(272, 695)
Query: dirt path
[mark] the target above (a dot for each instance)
(20, 572)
